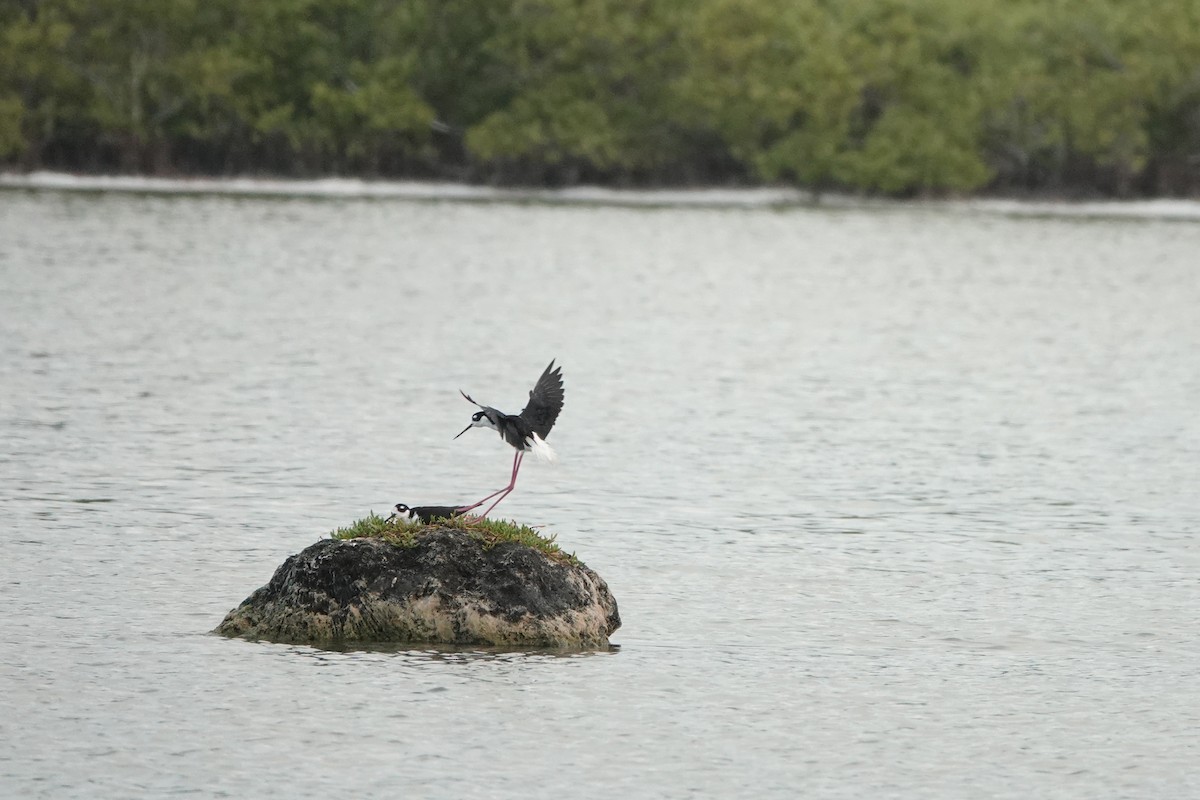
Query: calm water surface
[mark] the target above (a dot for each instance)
(897, 502)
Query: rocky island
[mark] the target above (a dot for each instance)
(451, 582)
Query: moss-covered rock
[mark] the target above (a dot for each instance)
(437, 584)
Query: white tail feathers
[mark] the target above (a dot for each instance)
(541, 451)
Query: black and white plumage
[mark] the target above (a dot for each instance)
(528, 430)
(525, 432)
(422, 514)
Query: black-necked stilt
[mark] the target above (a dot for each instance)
(424, 514)
(526, 432)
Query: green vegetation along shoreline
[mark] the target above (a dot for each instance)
(879, 97)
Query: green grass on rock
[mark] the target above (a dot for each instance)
(489, 531)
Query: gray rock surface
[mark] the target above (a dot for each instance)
(448, 588)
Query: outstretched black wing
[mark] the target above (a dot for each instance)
(545, 401)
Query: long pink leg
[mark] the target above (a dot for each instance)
(511, 483)
(507, 491)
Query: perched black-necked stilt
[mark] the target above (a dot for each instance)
(526, 432)
(425, 514)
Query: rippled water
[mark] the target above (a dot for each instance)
(896, 502)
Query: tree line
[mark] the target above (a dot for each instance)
(896, 97)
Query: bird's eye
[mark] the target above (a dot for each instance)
(477, 416)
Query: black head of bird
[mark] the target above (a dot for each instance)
(401, 512)
(487, 418)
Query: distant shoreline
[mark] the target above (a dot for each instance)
(716, 198)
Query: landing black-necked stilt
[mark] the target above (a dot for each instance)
(525, 432)
(425, 514)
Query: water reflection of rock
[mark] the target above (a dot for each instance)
(447, 588)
